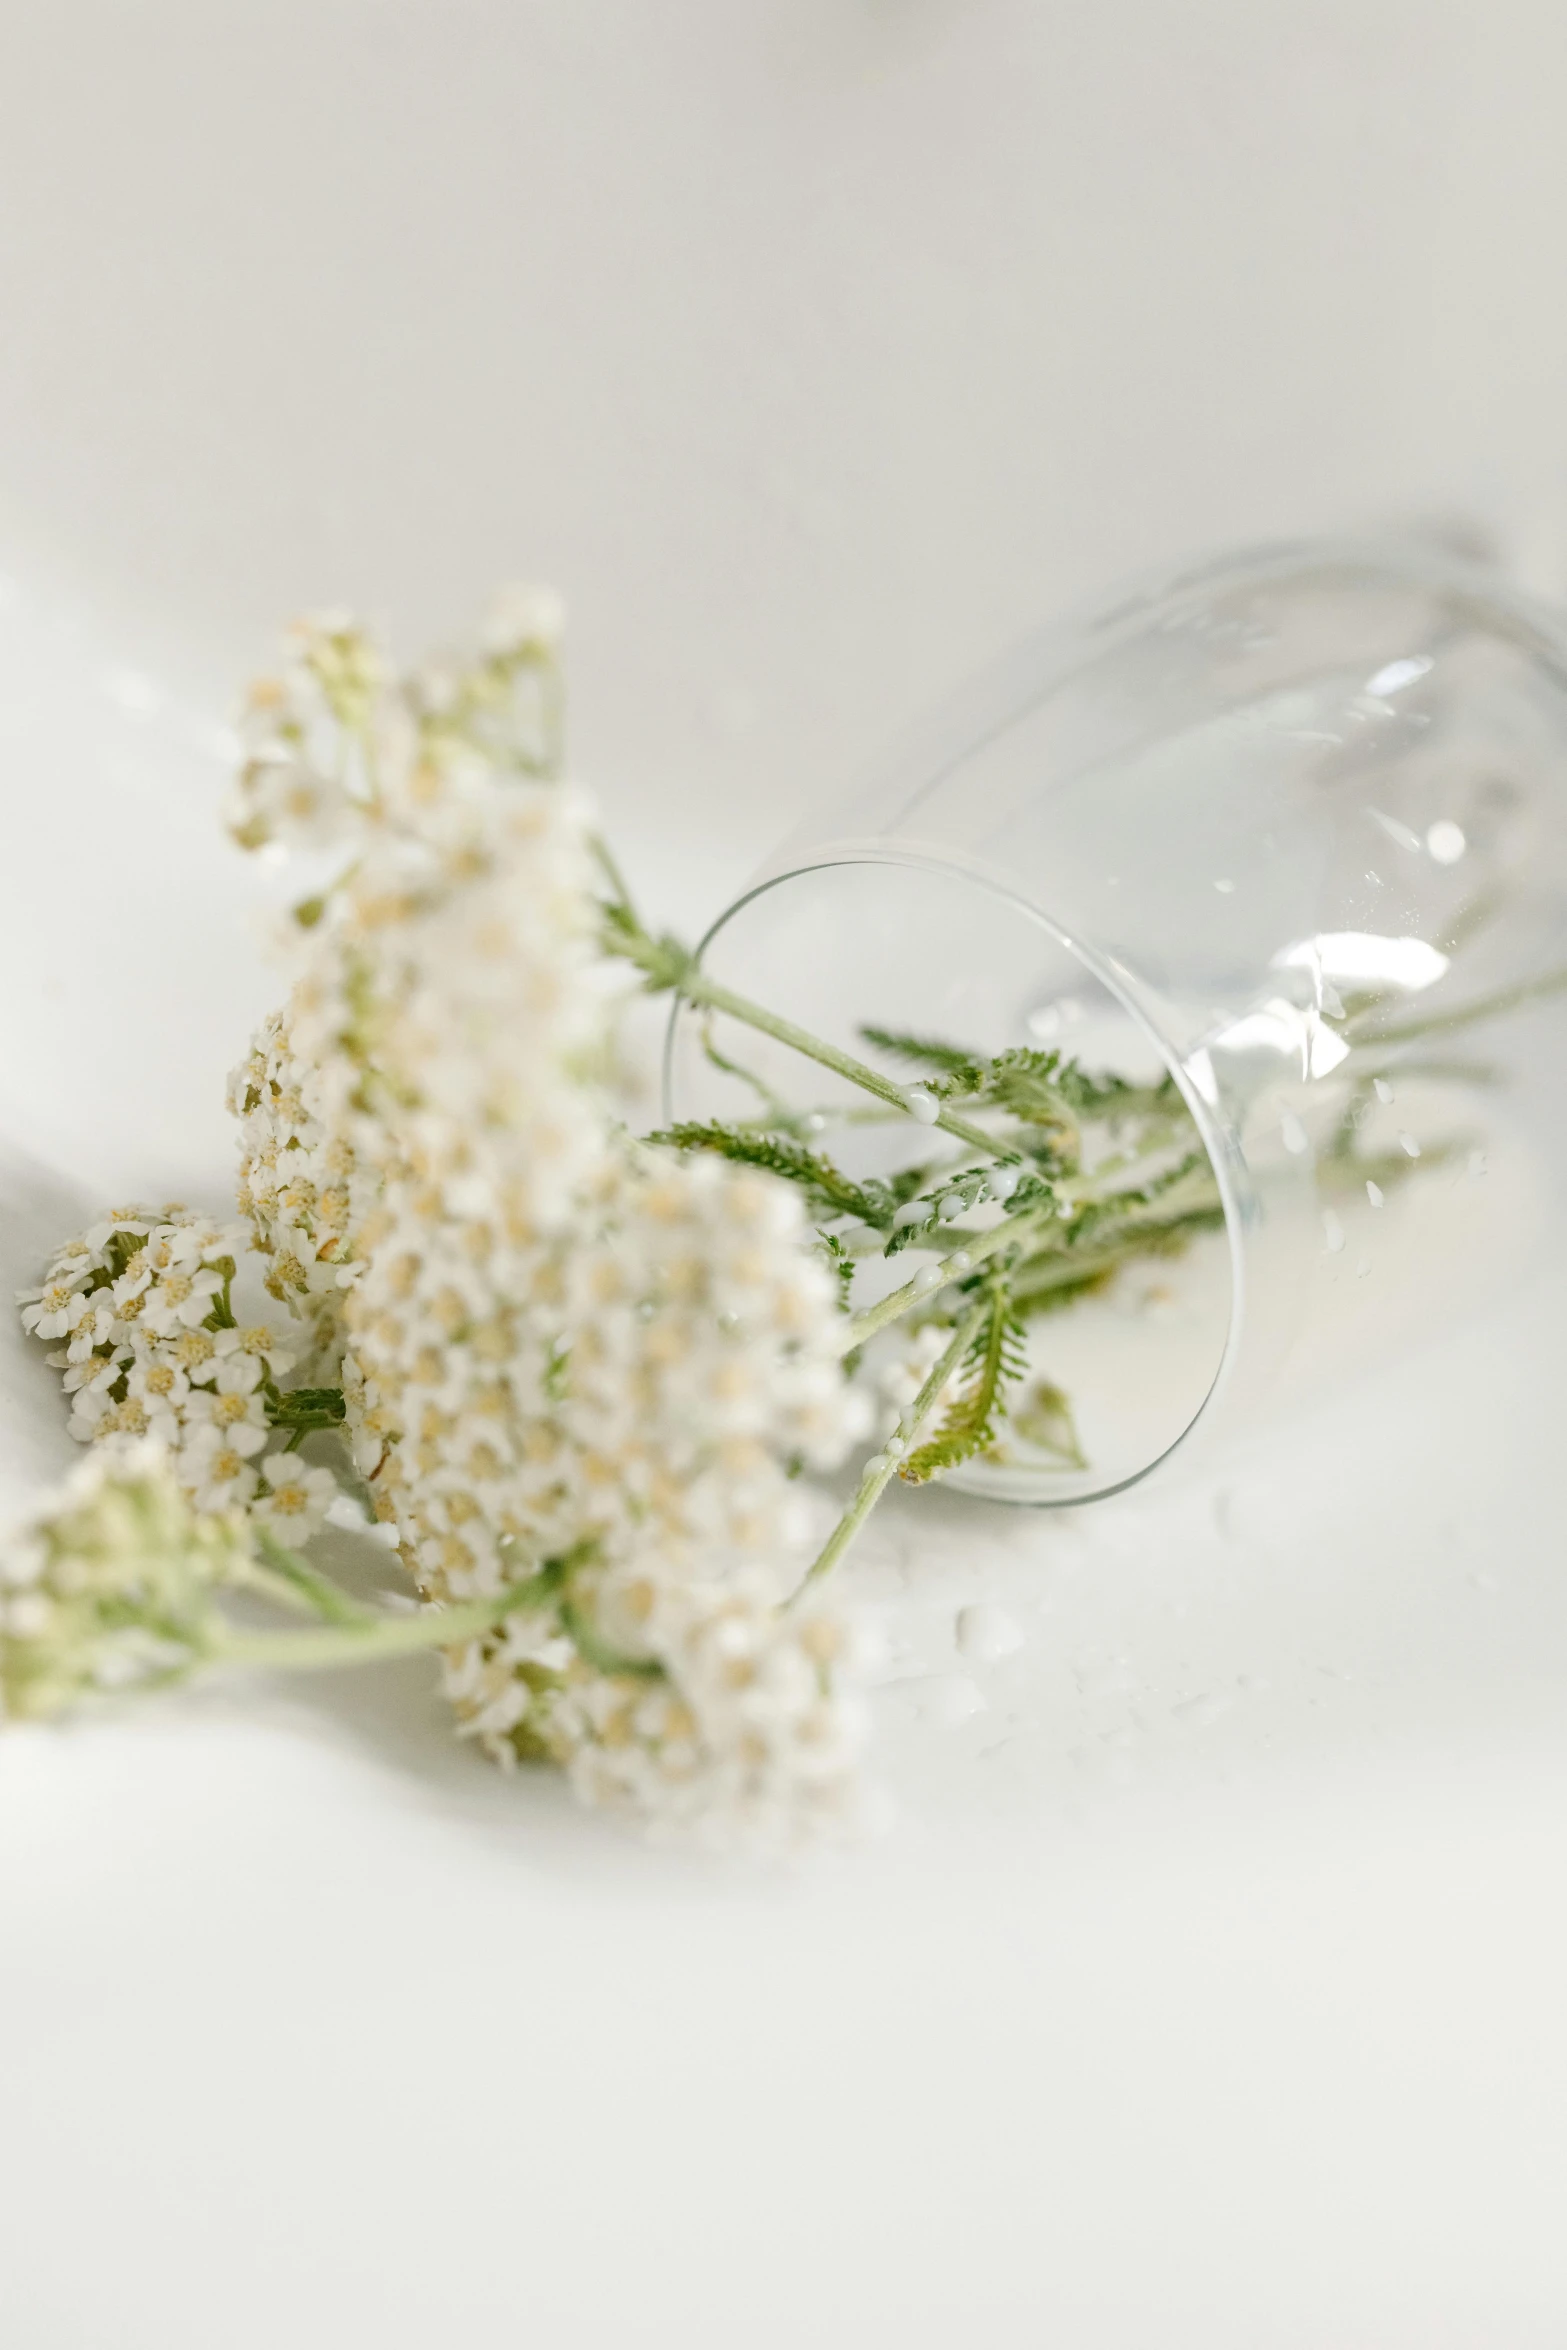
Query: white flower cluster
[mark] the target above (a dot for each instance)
(299, 1190)
(692, 1370)
(111, 1583)
(340, 752)
(144, 1302)
(751, 1732)
(484, 1137)
(565, 1360)
(337, 736)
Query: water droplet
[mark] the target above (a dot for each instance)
(928, 1277)
(1408, 1145)
(913, 1211)
(987, 1633)
(1374, 1193)
(1295, 1138)
(1445, 841)
(876, 1465)
(815, 1123)
(953, 1698)
(1362, 1267)
(921, 1104)
(951, 1207)
(895, 1448)
(1332, 1233)
(1381, 1088)
(1003, 1181)
(959, 1263)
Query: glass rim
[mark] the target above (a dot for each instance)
(838, 854)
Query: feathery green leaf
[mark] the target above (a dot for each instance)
(997, 1357)
(828, 1190)
(927, 1052)
(841, 1263)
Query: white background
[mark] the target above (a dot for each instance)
(1211, 1991)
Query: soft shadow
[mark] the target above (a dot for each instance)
(395, 1715)
(39, 1208)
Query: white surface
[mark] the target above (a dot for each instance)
(1210, 1992)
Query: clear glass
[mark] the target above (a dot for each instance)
(1291, 826)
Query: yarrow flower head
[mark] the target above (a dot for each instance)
(111, 1583)
(144, 1301)
(686, 1371)
(579, 1377)
(553, 1346)
(336, 738)
(727, 1717)
(302, 1190)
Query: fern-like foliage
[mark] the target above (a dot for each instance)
(1113, 1209)
(1025, 1083)
(1040, 1087)
(1018, 1068)
(840, 1263)
(305, 1408)
(1052, 1295)
(828, 1191)
(907, 1182)
(997, 1357)
(663, 962)
(926, 1052)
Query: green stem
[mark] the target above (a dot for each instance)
(600, 1654)
(620, 894)
(1199, 1196)
(301, 1584)
(974, 1248)
(698, 988)
(380, 1637)
(1042, 1275)
(876, 1479)
(1488, 1007)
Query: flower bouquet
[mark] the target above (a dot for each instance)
(586, 1382)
